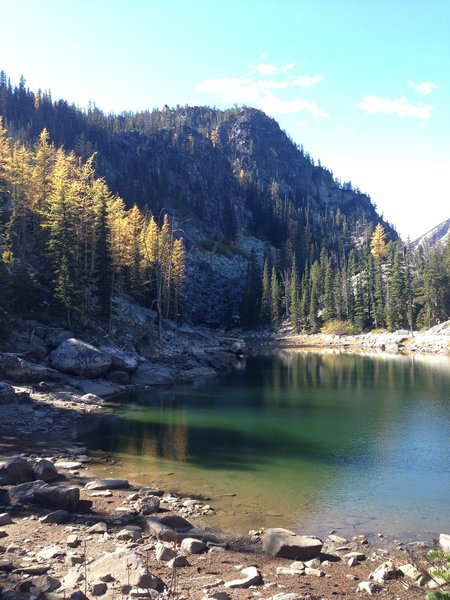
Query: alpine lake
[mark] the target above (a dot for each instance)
(312, 441)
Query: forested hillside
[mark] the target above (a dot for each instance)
(94, 205)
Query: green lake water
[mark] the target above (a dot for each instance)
(307, 440)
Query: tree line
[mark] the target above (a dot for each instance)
(377, 284)
(68, 245)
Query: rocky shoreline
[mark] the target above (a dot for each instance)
(65, 534)
(433, 341)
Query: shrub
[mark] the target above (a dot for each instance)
(442, 570)
(337, 327)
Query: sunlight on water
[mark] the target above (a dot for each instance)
(311, 441)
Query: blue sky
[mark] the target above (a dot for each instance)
(363, 85)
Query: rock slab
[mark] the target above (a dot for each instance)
(287, 544)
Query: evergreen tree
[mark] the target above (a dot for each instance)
(103, 272)
(265, 313)
(275, 315)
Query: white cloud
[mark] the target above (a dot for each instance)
(276, 106)
(400, 107)
(425, 88)
(307, 81)
(231, 90)
(265, 69)
(257, 93)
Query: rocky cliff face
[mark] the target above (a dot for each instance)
(440, 233)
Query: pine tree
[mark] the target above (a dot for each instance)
(104, 270)
(264, 314)
(274, 299)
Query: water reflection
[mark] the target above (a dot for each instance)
(315, 436)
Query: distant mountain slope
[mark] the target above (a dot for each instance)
(440, 233)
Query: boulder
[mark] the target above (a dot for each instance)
(164, 552)
(41, 493)
(148, 505)
(79, 358)
(106, 484)
(152, 374)
(444, 541)
(120, 360)
(287, 544)
(7, 393)
(16, 470)
(45, 470)
(164, 531)
(126, 567)
(385, 571)
(17, 369)
(193, 546)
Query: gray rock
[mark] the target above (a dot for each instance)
(51, 552)
(45, 583)
(165, 533)
(21, 371)
(385, 571)
(148, 505)
(413, 573)
(79, 358)
(127, 534)
(121, 361)
(369, 587)
(178, 561)
(106, 484)
(57, 516)
(5, 519)
(287, 544)
(16, 470)
(164, 552)
(444, 541)
(152, 374)
(36, 569)
(193, 546)
(3, 533)
(7, 393)
(359, 556)
(45, 470)
(290, 571)
(126, 567)
(314, 572)
(68, 464)
(43, 494)
(99, 527)
(252, 577)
